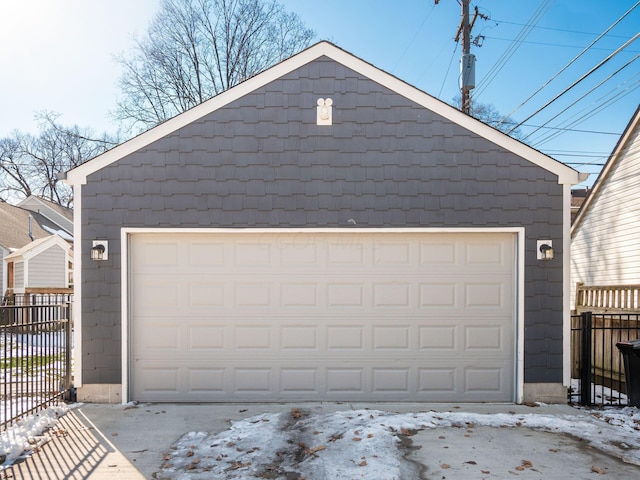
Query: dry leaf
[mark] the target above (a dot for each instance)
(445, 465)
(295, 413)
(520, 468)
(471, 462)
(363, 463)
(356, 439)
(370, 435)
(595, 469)
(486, 472)
(527, 464)
(190, 453)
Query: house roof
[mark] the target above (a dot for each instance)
(14, 223)
(39, 245)
(61, 216)
(613, 160)
(566, 175)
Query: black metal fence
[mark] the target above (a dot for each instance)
(37, 299)
(35, 351)
(597, 367)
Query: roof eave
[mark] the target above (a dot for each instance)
(566, 175)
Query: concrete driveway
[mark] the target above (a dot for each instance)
(100, 441)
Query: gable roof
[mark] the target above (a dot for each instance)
(61, 216)
(38, 246)
(566, 175)
(14, 223)
(610, 166)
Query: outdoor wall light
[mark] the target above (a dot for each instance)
(545, 250)
(100, 250)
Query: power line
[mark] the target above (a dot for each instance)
(602, 82)
(448, 68)
(542, 9)
(567, 66)
(618, 50)
(545, 44)
(614, 95)
(584, 164)
(598, 132)
(557, 29)
(414, 37)
(599, 107)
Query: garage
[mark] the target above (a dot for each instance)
(260, 247)
(322, 315)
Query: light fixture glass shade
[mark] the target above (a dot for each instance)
(97, 252)
(547, 251)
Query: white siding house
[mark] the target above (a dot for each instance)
(605, 237)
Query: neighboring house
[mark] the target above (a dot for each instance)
(322, 231)
(41, 266)
(20, 227)
(605, 237)
(578, 196)
(61, 216)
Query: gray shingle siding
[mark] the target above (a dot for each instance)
(262, 161)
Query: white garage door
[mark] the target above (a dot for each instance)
(322, 316)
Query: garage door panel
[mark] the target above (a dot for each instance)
(203, 255)
(206, 337)
(484, 337)
(299, 381)
(298, 337)
(435, 338)
(341, 337)
(286, 317)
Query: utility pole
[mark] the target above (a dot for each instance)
(468, 60)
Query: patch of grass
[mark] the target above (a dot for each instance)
(30, 364)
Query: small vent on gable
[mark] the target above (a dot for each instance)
(325, 116)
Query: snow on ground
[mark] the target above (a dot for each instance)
(347, 444)
(351, 443)
(27, 435)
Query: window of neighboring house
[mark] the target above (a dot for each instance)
(70, 275)
(10, 275)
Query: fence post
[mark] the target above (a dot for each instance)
(585, 358)
(68, 349)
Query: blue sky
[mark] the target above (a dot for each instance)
(57, 55)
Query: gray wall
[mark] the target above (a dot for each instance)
(263, 162)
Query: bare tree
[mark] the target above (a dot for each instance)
(488, 114)
(30, 164)
(195, 49)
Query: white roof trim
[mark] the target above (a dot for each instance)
(566, 175)
(38, 246)
(612, 161)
